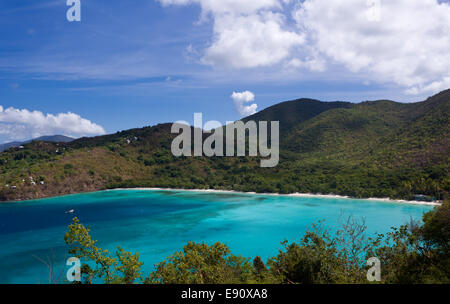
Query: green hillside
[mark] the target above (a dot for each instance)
(291, 113)
(371, 149)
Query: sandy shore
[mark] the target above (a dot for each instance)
(291, 195)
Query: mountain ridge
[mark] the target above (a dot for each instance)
(48, 138)
(369, 149)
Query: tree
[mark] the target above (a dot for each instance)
(316, 259)
(123, 269)
(203, 264)
(418, 254)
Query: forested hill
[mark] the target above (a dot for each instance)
(371, 149)
(55, 138)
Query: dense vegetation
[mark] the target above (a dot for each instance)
(408, 255)
(371, 149)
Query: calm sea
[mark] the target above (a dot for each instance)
(157, 223)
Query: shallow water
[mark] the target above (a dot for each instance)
(157, 223)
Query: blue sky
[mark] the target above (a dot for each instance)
(141, 62)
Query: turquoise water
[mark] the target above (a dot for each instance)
(158, 223)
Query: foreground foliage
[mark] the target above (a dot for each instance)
(417, 253)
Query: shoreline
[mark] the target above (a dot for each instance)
(297, 194)
(437, 203)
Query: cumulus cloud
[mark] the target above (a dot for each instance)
(246, 33)
(402, 42)
(240, 99)
(250, 41)
(20, 124)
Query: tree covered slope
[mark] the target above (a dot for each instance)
(371, 149)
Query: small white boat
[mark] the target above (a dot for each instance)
(71, 211)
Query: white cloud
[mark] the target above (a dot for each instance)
(401, 42)
(408, 46)
(240, 99)
(20, 124)
(246, 33)
(228, 6)
(250, 41)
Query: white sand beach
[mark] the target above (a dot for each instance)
(437, 203)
